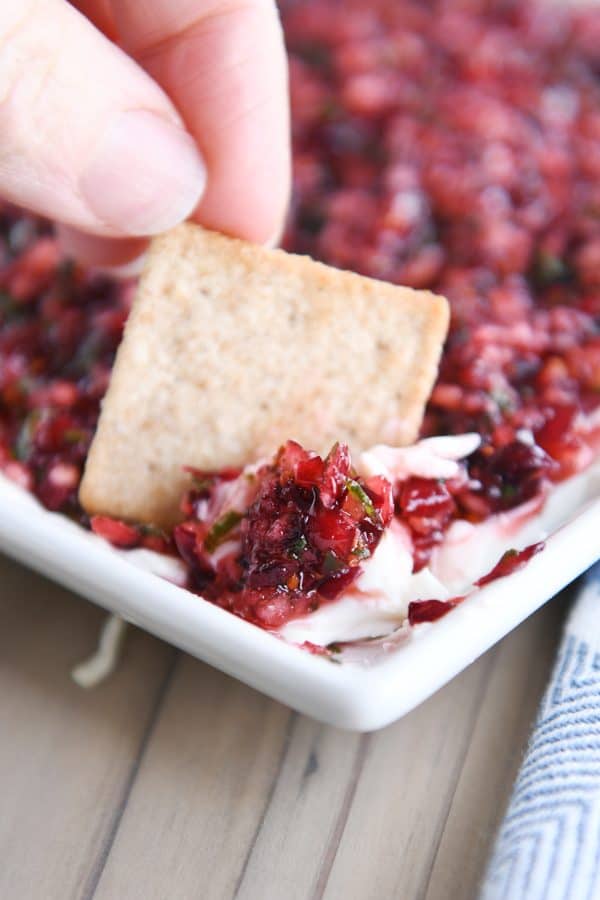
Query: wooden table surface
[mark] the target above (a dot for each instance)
(172, 781)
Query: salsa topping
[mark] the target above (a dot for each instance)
(308, 525)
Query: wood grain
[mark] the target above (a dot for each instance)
(202, 788)
(172, 781)
(66, 755)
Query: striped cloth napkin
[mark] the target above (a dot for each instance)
(548, 846)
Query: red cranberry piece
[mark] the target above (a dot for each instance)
(429, 610)
(558, 438)
(52, 432)
(380, 491)
(510, 562)
(426, 505)
(333, 586)
(117, 533)
(335, 472)
(334, 531)
(157, 543)
(271, 609)
(309, 472)
(290, 456)
(19, 473)
(423, 545)
(189, 540)
(511, 474)
(58, 486)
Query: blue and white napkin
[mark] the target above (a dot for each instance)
(548, 846)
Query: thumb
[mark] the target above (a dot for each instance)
(86, 137)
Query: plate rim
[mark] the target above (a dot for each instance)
(350, 696)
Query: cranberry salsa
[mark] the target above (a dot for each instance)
(446, 145)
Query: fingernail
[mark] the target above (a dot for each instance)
(131, 269)
(146, 175)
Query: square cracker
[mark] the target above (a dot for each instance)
(230, 349)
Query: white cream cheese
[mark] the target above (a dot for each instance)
(377, 602)
(435, 457)
(467, 552)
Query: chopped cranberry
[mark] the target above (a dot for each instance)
(126, 536)
(156, 542)
(490, 197)
(505, 477)
(424, 504)
(556, 435)
(340, 581)
(309, 472)
(115, 532)
(300, 542)
(18, 473)
(58, 487)
(427, 508)
(58, 336)
(380, 491)
(510, 562)
(430, 610)
(335, 473)
(334, 531)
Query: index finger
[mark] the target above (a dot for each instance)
(223, 64)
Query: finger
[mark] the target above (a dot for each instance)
(223, 64)
(101, 252)
(86, 136)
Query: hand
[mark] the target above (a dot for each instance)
(121, 118)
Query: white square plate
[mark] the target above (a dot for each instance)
(356, 695)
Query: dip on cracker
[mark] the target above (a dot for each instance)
(232, 349)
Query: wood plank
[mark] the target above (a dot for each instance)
(201, 791)
(210, 790)
(66, 755)
(301, 827)
(236, 797)
(507, 711)
(403, 794)
(404, 823)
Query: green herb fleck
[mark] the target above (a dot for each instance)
(7, 304)
(22, 446)
(550, 269)
(508, 491)
(298, 547)
(331, 109)
(334, 648)
(221, 529)
(354, 488)
(314, 55)
(503, 401)
(361, 552)
(74, 435)
(332, 563)
(152, 531)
